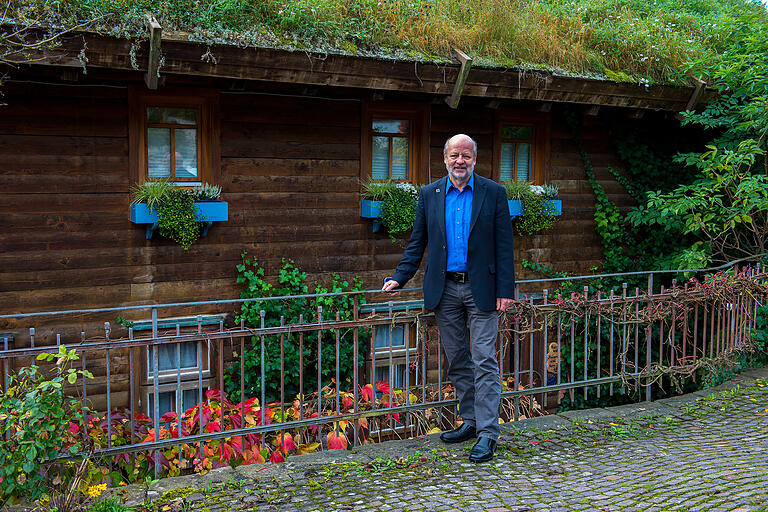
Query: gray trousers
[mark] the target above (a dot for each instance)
(468, 337)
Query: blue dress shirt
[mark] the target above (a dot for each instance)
(458, 211)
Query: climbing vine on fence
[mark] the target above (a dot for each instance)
(292, 281)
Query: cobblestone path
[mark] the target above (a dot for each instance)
(704, 451)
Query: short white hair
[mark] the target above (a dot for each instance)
(459, 136)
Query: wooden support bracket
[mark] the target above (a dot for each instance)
(696, 95)
(153, 66)
(694, 99)
(458, 87)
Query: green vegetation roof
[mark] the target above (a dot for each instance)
(645, 41)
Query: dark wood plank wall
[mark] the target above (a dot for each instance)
(290, 170)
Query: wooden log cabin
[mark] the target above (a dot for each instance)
(288, 136)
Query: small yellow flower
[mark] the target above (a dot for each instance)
(95, 491)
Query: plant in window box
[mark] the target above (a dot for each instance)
(391, 203)
(180, 214)
(534, 206)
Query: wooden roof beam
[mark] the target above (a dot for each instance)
(461, 80)
(153, 65)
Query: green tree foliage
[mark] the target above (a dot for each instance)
(293, 282)
(725, 208)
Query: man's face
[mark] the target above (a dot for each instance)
(459, 158)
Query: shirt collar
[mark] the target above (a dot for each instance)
(470, 183)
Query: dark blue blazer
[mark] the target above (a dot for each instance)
(490, 260)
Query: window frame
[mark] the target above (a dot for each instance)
(540, 123)
(205, 101)
(379, 356)
(417, 115)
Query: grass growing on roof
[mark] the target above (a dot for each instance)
(623, 40)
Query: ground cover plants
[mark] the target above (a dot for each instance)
(632, 40)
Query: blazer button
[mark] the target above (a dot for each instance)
(443, 247)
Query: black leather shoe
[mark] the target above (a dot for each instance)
(483, 450)
(457, 435)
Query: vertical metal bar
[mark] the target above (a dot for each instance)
(546, 346)
(58, 345)
(637, 330)
(221, 365)
(648, 340)
(200, 379)
(338, 372)
(262, 402)
(661, 333)
(712, 330)
(155, 390)
(424, 341)
(407, 344)
(391, 370)
(179, 391)
(5, 365)
(319, 367)
(516, 352)
(695, 331)
(586, 339)
(282, 379)
(573, 353)
(599, 335)
(130, 386)
(559, 348)
(720, 329)
(109, 390)
(704, 330)
(6, 383)
(32, 337)
(685, 327)
(301, 369)
(242, 379)
(610, 345)
(355, 369)
(530, 346)
(624, 341)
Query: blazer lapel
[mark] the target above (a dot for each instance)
(478, 195)
(440, 191)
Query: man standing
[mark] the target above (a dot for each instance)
(469, 277)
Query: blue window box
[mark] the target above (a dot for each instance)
(206, 212)
(370, 209)
(553, 205)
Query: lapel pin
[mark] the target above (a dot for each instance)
(438, 190)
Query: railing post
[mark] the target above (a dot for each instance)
(648, 335)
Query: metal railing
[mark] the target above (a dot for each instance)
(374, 371)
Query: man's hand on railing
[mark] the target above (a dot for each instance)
(390, 286)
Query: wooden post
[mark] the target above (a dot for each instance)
(153, 66)
(458, 87)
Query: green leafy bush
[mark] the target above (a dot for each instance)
(398, 210)
(34, 417)
(292, 281)
(176, 218)
(539, 213)
(175, 207)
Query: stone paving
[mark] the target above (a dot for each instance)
(707, 451)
